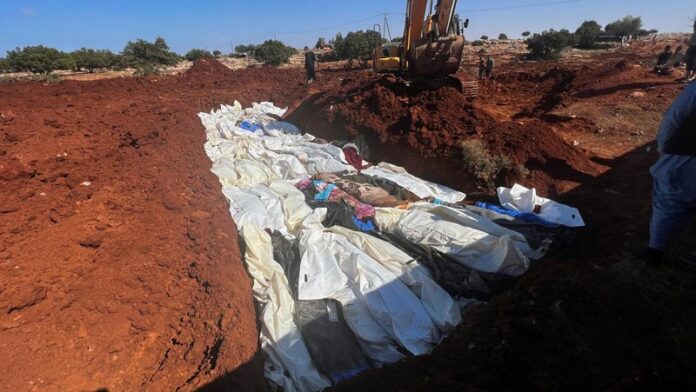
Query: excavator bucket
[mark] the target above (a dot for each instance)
(435, 58)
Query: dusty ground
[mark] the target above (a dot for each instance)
(120, 267)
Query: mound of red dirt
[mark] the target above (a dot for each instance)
(429, 122)
(416, 128)
(207, 67)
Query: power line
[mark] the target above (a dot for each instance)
(333, 27)
(363, 20)
(530, 5)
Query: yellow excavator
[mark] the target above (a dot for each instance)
(432, 46)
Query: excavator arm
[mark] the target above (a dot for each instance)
(429, 50)
(445, 15)
(432, 46)
(415, 20)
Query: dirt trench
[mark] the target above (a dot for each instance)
(121, 269)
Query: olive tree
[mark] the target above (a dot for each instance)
(550, 43)
(91, 59)
(273, 52)
(587, 34)
(197, 54)
(38, 59)
(148, 57)
(626, 27)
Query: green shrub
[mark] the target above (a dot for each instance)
(643, 32)
(146, 69)
(4, 66)
(327, 57)
(273, 52)
(478, 42)
(357, 45)
(502, 36)
(38, 59)
(217, 54)
(91, 59)
(488, 168)
(526, 34)
(245, 49)
(587, 34)
(484, 38)
(141, 54)
(549, 44)
(197, 54)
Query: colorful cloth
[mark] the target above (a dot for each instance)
(366, 193)
(365, 226)
(523, 216)
(324, 190)
(353, 158)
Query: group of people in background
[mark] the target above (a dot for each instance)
(486, 67)
(667, 60)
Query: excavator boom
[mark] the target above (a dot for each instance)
(432, 46)
(445, 16)
(415, 19)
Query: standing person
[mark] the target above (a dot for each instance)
(310, 65)
(482, 67)
(489, 67)
(674, 188)
(678, 57)
(690, 58)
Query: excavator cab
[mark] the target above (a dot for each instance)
(387, 58)
(433, 43)
(432, 47)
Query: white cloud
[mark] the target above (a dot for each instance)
(28, 11)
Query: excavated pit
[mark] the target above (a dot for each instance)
(423, 130)
(119, 258)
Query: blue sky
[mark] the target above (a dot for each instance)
(221, 24)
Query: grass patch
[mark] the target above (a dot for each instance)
(488, 168)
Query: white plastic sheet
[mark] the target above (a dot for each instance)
(331, 264)
(321, 277)
(419, 187)
(289, 364)
(469, 219)
(257, 205)
(441, 307)
(469, 246)
(519, 198)
(390, 301)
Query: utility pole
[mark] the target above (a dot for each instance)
(386, 30)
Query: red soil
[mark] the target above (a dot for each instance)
(410, 127)
(134, 282)
(119, 264)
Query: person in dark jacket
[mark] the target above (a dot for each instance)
(690, 58)
(663, 58)
(310, 65)
(663, 66)
(489, 67)
(482, 67)
(674, 189)
(678, 57)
